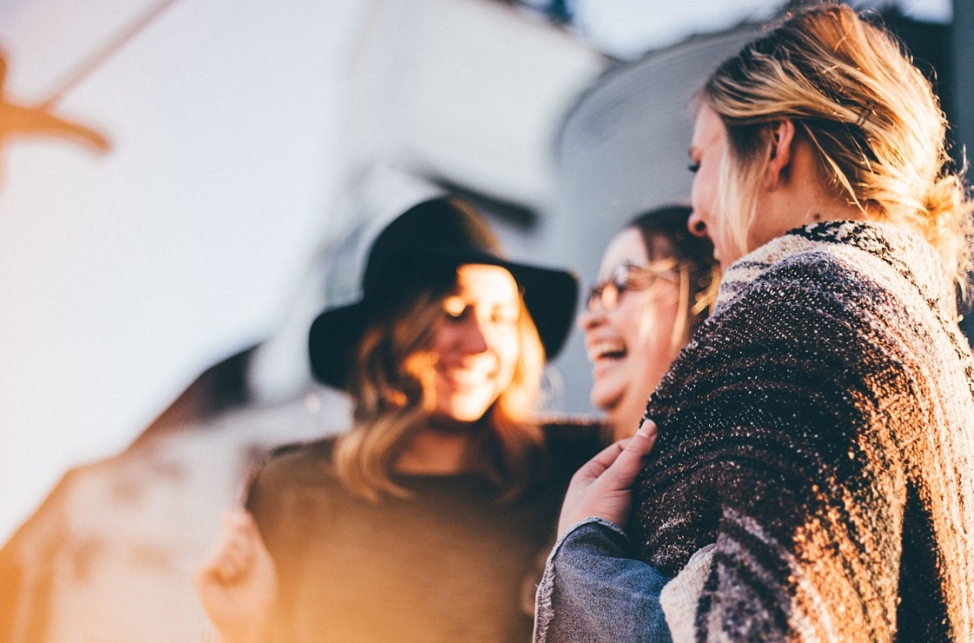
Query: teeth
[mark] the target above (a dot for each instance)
(606, 350)
(467, 378)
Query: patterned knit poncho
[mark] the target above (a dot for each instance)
(820, 430)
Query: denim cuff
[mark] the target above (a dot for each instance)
(594, 536)
(593, 590)
(597, 533)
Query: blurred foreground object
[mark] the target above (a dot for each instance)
(18, 120)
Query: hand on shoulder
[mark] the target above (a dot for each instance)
(603, 486)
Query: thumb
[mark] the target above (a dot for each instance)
(627, 466)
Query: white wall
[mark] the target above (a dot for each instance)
(122, 276)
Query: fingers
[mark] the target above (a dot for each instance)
(622, 460)
(630, 460)
(602, 486)
(234, 550)
(240, 521)
(595, 467)
(648, 433)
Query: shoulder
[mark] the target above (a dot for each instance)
(294, 465)
(293, 491)
(814, 296)
(822, 322)
(313, 450)
(839, 271)
(799, 279)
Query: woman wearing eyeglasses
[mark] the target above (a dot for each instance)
(656, 284)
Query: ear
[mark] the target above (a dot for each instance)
(782, 138)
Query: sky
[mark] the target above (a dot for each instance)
(124, 275)
(629, 27)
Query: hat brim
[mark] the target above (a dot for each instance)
(332, 340)
(550, 297)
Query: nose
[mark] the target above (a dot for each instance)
(696, 225)
(473, 338)
(589, 319)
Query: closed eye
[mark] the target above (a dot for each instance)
(505, 315)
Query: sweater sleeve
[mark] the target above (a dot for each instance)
(779, 443)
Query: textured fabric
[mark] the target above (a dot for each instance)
(448, 564)
(819, 429)
(678, 598)
(589, 574)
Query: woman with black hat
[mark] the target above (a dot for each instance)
(423, 521)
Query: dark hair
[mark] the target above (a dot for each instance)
(694, 256)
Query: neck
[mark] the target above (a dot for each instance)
(800, 197)
(626, 417)
(794, 213)
(830, 210)
(436, 452)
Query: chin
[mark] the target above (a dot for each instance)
(609, 389)
(470, 417)
(604, 402)
(465, 411)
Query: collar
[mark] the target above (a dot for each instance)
(866, 246)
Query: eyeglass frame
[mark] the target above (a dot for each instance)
(620, 281)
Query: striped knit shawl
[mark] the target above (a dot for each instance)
(820, 430)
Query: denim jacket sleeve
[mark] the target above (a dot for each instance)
(593, 591)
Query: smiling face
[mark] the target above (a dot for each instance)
(475, 344)
(630, 347)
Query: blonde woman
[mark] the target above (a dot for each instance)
(423, 521)
(811, 475)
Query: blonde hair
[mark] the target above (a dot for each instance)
(394, 397)
(697, 296)
(870, 114)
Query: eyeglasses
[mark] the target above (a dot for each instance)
(607, 294)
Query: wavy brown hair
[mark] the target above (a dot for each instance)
(394, 396)
(855, 95)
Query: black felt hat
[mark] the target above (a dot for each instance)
(423, 247)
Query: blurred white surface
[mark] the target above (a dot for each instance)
(123, 276)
